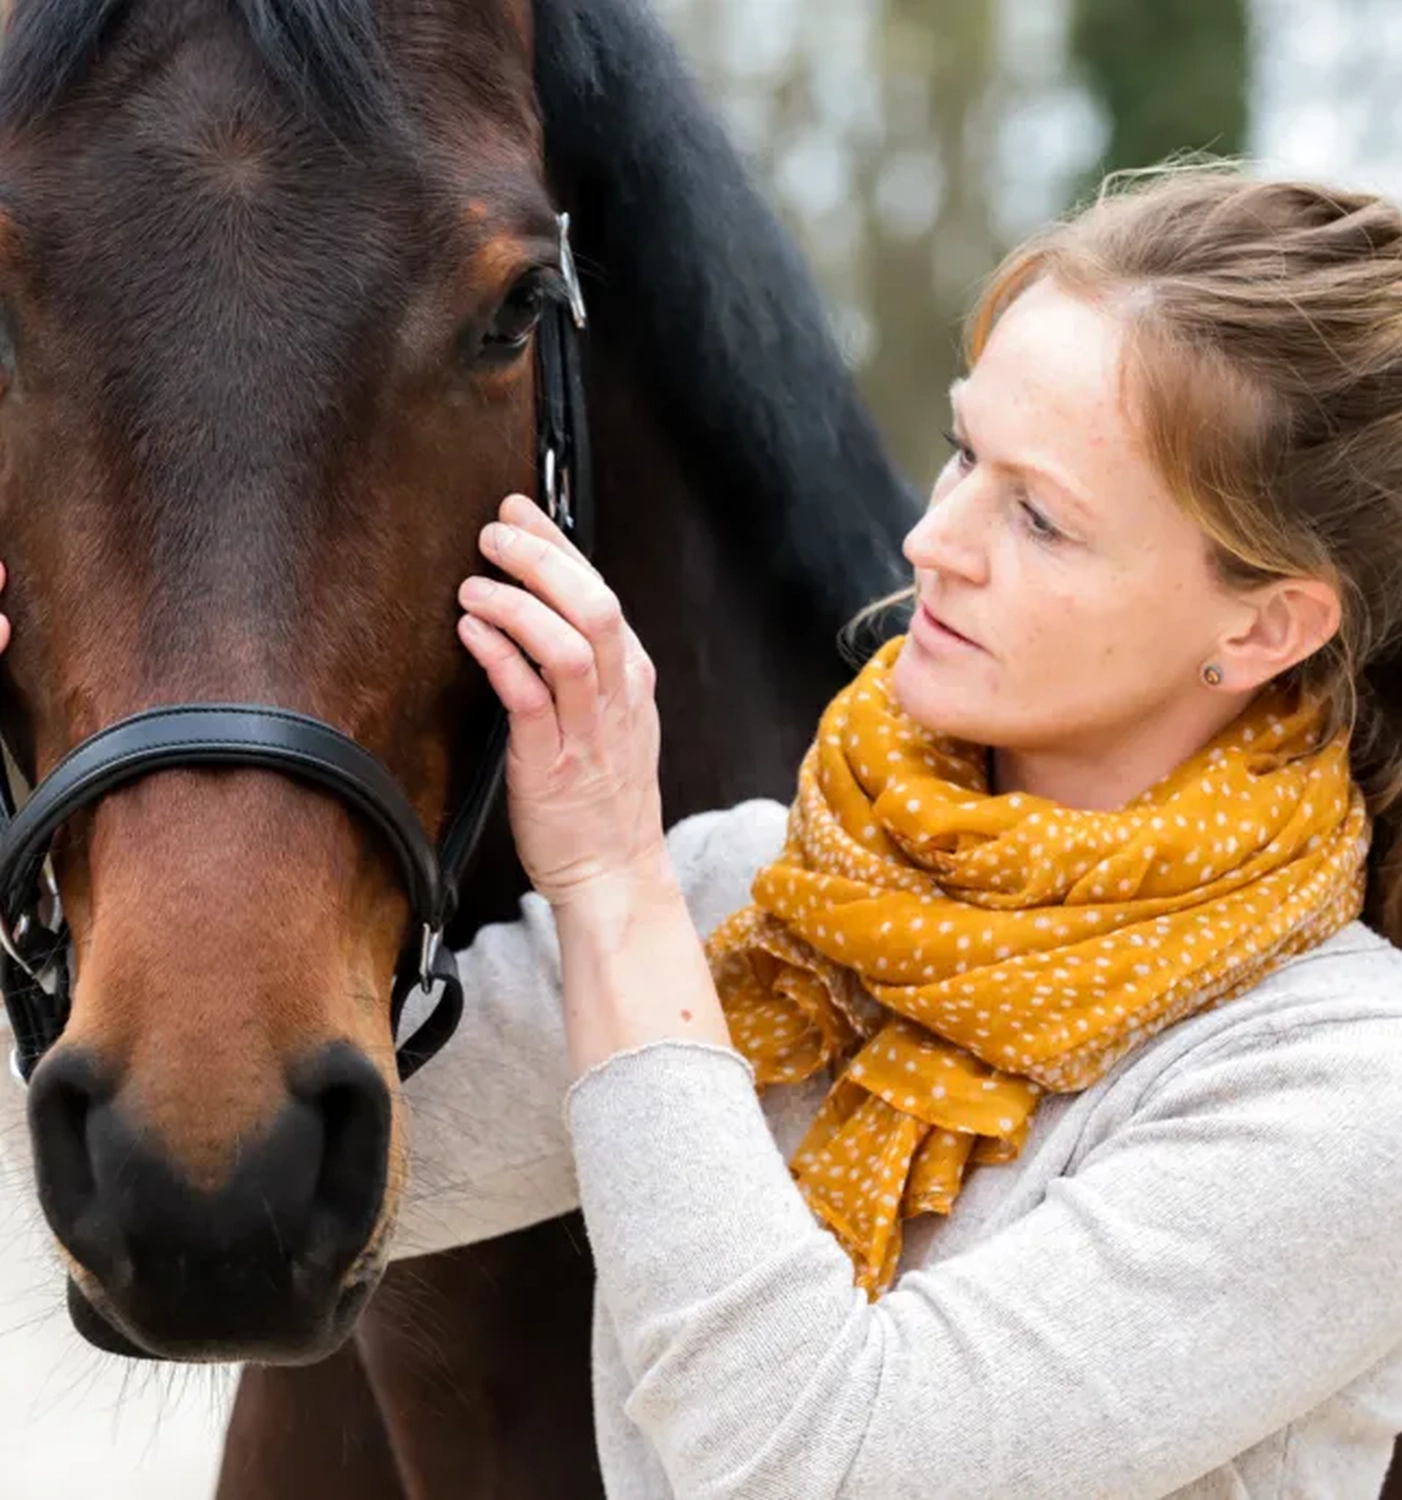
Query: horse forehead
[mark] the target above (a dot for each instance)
(185, 126)
(228, 265)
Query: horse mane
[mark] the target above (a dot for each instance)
(717, 310)
(325, 53)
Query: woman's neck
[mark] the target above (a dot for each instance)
(1104, 775)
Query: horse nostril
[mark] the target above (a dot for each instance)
(353, 1104)
(68, 1100)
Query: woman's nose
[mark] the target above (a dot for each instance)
(951, 537)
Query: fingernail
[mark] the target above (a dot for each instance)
(470, 625)
(495, 537)
(476, 587)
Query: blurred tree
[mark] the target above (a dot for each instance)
(1171, 75)
(880, 128)
(922, 190)
(874, 124)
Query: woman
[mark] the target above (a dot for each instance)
(1077, 1166)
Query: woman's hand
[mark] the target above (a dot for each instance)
(4, 619)
(582, 783)
(582, 764)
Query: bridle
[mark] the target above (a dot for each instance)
(35, 973)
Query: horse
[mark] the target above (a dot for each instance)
(274, 279)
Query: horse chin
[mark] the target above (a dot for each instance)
(95, 1320)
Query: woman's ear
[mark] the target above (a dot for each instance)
(1288, 620)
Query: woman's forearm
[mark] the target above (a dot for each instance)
(633, 969)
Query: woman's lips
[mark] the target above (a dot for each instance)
(929, 629)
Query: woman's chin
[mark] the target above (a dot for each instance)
(927, 690)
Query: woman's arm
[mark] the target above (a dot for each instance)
(1219, 1267)
(488, 1146)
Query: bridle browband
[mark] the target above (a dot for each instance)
(35, 974)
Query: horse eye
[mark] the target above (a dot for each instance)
(515, 321)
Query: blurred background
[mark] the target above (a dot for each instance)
(908, 142)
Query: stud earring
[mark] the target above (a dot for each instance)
(1212, 675)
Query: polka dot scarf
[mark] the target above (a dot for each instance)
(950, 954)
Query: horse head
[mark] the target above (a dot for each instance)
(270, 275)
(274, 276)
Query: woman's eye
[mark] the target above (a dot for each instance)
(515, 321)
(1041, 528)
(963, 455)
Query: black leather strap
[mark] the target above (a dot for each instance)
(460, 842)
(562, 428)
(441, 1022)
(563, 462)
(37, 1016)
(217, 734)
(233, 735)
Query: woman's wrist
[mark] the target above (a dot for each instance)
(633, 966)
(609, 905)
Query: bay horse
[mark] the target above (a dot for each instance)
(271, 272)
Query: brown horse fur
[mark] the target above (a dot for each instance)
(249, 250)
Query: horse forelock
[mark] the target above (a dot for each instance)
(325, 52)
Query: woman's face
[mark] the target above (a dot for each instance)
(1064, 600)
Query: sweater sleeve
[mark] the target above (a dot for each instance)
(1221, 1264)
(489, 1153)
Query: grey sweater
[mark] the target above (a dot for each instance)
(1189, 1284)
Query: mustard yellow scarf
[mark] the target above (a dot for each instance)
(950, 954)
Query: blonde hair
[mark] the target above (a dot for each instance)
(1263, 344)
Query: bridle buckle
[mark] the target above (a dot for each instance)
(430, 943)
(10, 943)
(570, 271)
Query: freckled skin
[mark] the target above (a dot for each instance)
(1088, 685)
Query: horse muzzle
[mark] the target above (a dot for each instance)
(274, 1263)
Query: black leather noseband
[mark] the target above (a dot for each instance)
(34, 966)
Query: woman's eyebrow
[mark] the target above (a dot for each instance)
(1074, 494)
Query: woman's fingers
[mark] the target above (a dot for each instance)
(570, 587)
(535, 731)
(524, 513)
(583, 785)
(518, 510)
(566, 658)
(4, 619)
